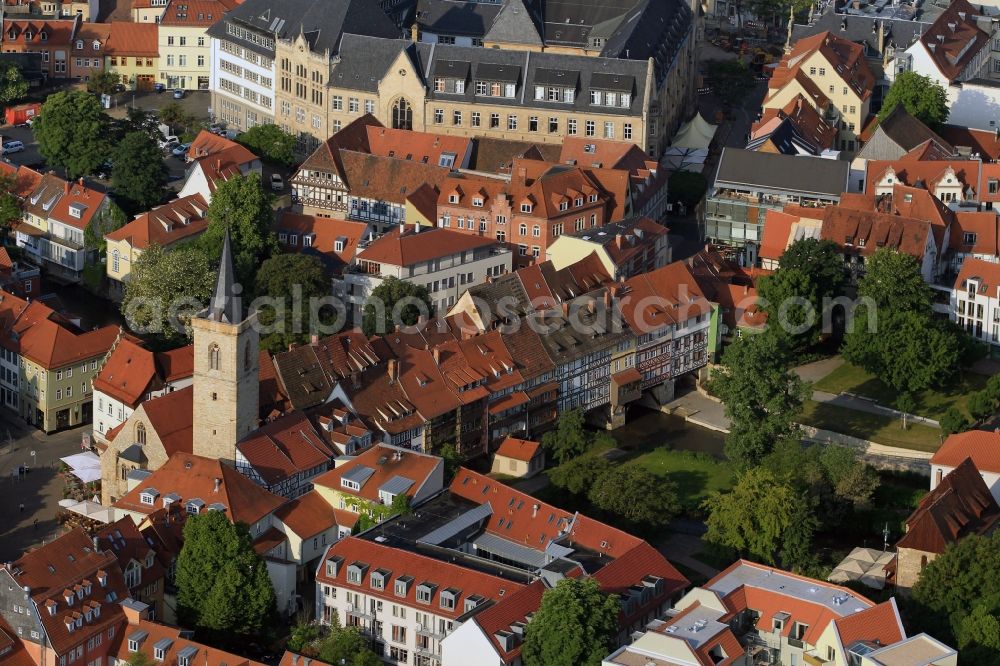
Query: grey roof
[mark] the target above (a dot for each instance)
(559, 77)
(134, 453)
(396, 485)
(359, 474)
(457, 525)
(652, 29)
(515, 24)
(456, 17)
(224, 306)
(322, 22)
(163, 644)
(510, 550)
(812, 175)
(138, 636)
(187, 652)
(196, 501)
(454, 69)
(578, 334)
(904, 131)
(863, 30)
(364, 61)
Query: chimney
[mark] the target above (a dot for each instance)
(437, 356)
(565, 308)
(746, 289)
(415, 33)
(931, 46)
(67, 186)
(218, 165)
(81, 181)
(534, 510)
(97, 547)
(422, 320)
(618, 241)
(314, 339)
(393, 370)
(218, 484)
(608, 296)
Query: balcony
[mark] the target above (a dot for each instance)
(429, 631)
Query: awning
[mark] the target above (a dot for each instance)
(91, 510)
(509, 402)
(544, 388)
(84, 466)
(629, 376)
(697, 133)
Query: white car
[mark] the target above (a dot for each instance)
(181, 150)
(277, 185)
(169, 142)
(12, 147)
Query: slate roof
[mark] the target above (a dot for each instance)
(904, 130)
(323, 22)
(516, 24)
(810, 175)
(456, 17)
(863, 30)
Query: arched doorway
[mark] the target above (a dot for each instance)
(402, 114)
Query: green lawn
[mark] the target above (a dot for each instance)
(931, 404)
(696, 475)
(879, 429)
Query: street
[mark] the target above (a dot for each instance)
(38, 491)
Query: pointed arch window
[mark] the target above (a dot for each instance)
(140, 434)
(213, 357)
(402, 114)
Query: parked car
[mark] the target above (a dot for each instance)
(118, 88)
(217, 128)
(180, 150)
(277, 184)
(178, 94)
(160, 87)
(12, 147)
(27, 123)
(169, 142)
(104, 171)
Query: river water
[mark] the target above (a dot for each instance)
(646, 428)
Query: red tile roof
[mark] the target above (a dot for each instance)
(984, 142)
(879, 624)
(413, 247)
(982, 446)
(846, 57)
(953, 48)
(286, 447)
(909, 172)
(959, 505)
(44, 339)
(983, 225)
(424, 147)
(131, 371)
(875, 231)
(324, 232)
(422, 569)
(58, 31)
(662, 297)
(77, 197)
(514, 608)
(172, 417)
(25, 179)
(518, 449)
(807, 122)
(385, 465)
(204, 655)
(195, 477)
(123, 539)
(165, 225)
(195, 12)
(66, 567)
(987, 272)
(310, 514)
(133, 39)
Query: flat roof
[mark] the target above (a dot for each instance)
(841, 601)
(804, 174)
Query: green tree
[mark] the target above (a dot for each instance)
(981, 406)
(241, 205)
(979, 636)
(138, 120)
(160, 283)
(687, 187)
(762, 397)
(953, 421)
(636, 495)
(762, 517)
(346, 645)
(575, 625)
(851, 479)
(13, 87)
(11, 208)
(578, 475)
(291, 280)
(379, 314)
(216, 565)
(811, 272)
(993, 387)
(139, 659)
(175, 116)
(270, 142)
(910, 352)
(922, 98)
(954, 584)
(72, 132)
(452, 459)
(303, 635)
(571, 438)
(731, 80)
(892, 280)
(139, 172)
(103, 82)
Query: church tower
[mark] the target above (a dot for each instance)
(226, 368)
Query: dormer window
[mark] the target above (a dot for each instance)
(592, 198)
(69, 599)
(578, 201)
(76, 210)
(402, 585)
(79, 45)
(148, 496)
(453, 198)
(526, 208)
(194, 506)
(53, 607)
(44, 36)
(378, 579)
(149, 560)
(477, 202)
(449, 598)
(356, 572)
(425, 592)
(333, 566)
(563, 205)
(97, 45)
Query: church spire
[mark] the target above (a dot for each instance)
(225, 303)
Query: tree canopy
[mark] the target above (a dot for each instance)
(957, 598)
(102, 82)
(73, 133)
(160, 283)
(411, 299)
(139, 173)
(922, 98)
(11, 208)
(269, 142)
(892, 280)
(347, 646)
(291, 280)
(12, 84)
(216, 565)
(570, 438)
(241, 205)
(762, 397)
(636, 495)
(575, 625)
(764, 518)
(578, 475)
